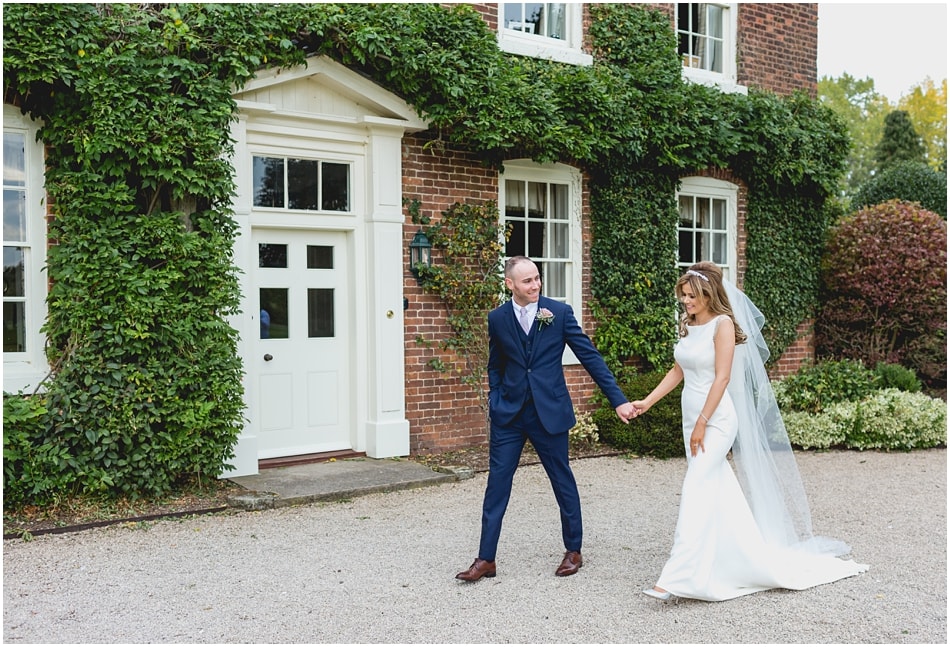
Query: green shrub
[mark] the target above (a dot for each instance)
(584, 432)
(35, 469)
(818, 430)
(892, 419)
(884, 290)
(907, 181)
(895, 376)
(658, 432)
(816, 386)
(886, 419)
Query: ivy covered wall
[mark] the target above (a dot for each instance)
(136, 103)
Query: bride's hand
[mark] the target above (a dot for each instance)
(696, 442)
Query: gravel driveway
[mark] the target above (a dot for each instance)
(380, 568)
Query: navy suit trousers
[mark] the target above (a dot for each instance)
(505, 447)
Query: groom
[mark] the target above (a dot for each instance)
(528, 399)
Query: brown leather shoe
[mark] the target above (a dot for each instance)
(479, 569)
(569, 565)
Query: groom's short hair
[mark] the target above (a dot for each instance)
(515, 260)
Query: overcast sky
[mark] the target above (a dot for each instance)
(897, 45)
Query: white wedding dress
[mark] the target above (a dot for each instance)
(718, 551)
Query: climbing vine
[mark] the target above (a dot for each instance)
(136, 105)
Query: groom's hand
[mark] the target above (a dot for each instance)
(626, 412)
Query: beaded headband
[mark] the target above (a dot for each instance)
(695, 273)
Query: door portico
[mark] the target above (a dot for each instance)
(317, 159)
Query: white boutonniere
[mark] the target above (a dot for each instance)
(544, 318)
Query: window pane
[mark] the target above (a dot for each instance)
(555, 22)
(14, 215)
(274, 313)
(703, 247)
(319, 257)
(268, 182)
(686, 211)
(14, 159)
(302, 184)
(13, 282)
(687, 254)
(719, 249)
(320, 312)
(719, 214)
(271, 255)
(535, 239)
(555, 280)
(514, 199)
(336, 187)
(560, 241)
(702, 213)
(14, 327)
(560, 210)
(516, 239)
(537, 200)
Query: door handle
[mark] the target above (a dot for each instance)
(268, 357)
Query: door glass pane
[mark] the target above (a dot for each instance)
(14, 159)
(320, 312)
(14, 325)
(302, 184)
(274, 319)
(336, 187)
(271, 255)
(319, 257)
(268, 182)
(13, 282)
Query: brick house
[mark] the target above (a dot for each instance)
(325, 270)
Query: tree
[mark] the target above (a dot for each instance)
(863, 110)
(899, 143)
(927, 106)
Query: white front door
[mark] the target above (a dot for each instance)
(300, 364)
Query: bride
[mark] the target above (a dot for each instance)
(733, 539)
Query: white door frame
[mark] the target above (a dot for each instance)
(374, 228)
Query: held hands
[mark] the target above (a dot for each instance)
(627, 412)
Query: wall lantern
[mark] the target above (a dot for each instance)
(420, 254)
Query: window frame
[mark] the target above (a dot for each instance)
(707, 187)
(566, 50)
(727, 79)
(24, 371)
(524, 170)
(287, 156)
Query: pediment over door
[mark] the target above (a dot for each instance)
(326, 91)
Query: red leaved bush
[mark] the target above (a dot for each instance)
(884, 290)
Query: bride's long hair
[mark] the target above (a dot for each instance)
(705, 279)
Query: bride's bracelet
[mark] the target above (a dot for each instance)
(703, 417)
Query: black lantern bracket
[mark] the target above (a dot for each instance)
(420, 254)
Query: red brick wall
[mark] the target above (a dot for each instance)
(778, 46)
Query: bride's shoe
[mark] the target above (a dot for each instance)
(659, 595)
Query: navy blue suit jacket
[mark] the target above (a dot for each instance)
(511, 371)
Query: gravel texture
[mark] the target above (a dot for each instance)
(380, 568)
